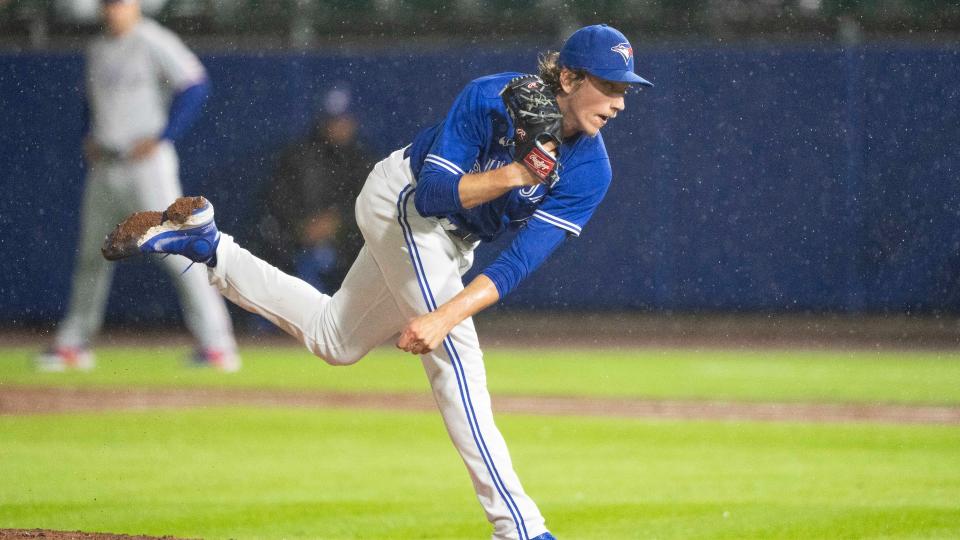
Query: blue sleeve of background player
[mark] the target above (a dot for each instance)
(454, 151)
(564, 213)
(185, 108)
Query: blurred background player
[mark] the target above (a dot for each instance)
(423, 210)
(144, 88)
(307, 225)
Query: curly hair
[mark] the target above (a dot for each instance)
(549, 69)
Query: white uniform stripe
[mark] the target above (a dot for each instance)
(554, 220)
(440, 160)
(443, 166)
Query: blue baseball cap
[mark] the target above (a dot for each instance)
(601, 51)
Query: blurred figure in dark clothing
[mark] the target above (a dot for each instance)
(308, 224)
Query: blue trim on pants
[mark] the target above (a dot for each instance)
(448, 345)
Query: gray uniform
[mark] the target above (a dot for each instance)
(130, 81)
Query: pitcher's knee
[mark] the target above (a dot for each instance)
(338, 358)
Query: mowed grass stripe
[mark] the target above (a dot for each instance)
(908, 377)
(280, 473)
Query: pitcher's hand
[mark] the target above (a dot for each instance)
(425, 333)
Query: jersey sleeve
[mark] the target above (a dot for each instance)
(185, 109)
(573, 200)
(563, 213)
(453, 153)
(177, 65)
(529, 249)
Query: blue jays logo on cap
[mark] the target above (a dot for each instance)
(625, 50)
(602, 51)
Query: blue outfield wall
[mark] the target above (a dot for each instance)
(754, 178)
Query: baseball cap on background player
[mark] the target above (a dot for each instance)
(601, 51)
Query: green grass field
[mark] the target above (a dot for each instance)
(293, 473)
(793, 376)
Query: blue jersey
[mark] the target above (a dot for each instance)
(476, 136)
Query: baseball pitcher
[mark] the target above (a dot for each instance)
(515, 151)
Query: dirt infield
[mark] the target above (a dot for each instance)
(32, 400)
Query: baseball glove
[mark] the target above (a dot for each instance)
(536, 120)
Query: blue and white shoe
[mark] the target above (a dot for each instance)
(544, 536)
(185, 228)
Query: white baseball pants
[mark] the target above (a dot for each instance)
(408, 266)
(114, 190)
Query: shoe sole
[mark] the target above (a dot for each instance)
(127, 237)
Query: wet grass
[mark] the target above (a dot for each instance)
(284, 473)
(918, 377)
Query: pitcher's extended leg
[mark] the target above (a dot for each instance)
(340, 329)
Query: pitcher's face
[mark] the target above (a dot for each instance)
(590, 103)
